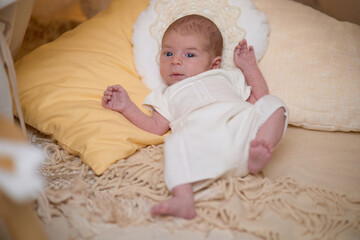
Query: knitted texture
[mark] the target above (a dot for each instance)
(124, 194)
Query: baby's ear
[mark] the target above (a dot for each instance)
(216, 63)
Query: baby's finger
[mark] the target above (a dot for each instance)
(238, 46)
(117, 87)
(244, 46)
(104, 101)
(107, 93)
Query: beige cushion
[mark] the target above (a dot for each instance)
(313, 64)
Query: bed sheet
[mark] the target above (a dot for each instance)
(328, 160)
(310, 190)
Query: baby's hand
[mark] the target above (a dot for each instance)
(116, 98)
(244, 56)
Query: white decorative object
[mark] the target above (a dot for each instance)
(24, 181)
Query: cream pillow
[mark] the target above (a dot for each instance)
(61, 86)
(313, 64)
(242, 19)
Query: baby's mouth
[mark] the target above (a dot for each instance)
(177, 76)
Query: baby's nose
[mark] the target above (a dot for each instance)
(176, 60)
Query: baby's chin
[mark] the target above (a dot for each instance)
(174, 78)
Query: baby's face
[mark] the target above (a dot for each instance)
(183, 56)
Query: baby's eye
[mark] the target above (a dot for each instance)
(190, 55)
(168, 54)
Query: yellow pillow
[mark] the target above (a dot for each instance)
(61, 86)
(313, 64)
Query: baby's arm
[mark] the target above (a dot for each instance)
(244, 58)
(116, 98)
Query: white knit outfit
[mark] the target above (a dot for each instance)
(212, 125)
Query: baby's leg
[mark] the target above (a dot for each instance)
(268, 136)
(180, 205)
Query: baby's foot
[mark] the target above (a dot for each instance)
(259, 155)
(176, 207)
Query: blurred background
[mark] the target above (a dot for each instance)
(51, 18)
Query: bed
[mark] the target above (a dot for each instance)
(102, 175)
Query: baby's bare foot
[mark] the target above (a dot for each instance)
(176, 207)
(259, 155)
